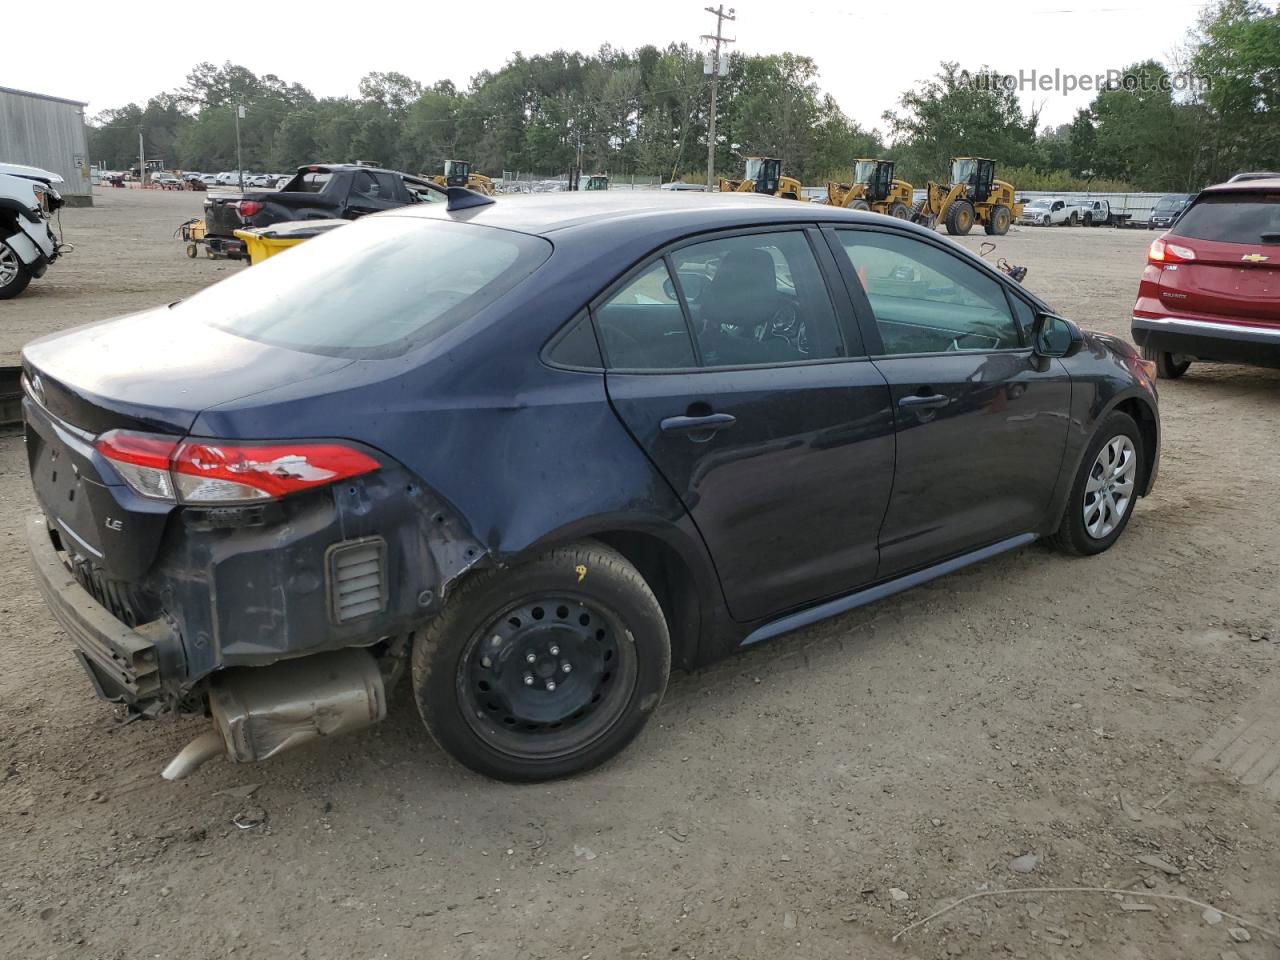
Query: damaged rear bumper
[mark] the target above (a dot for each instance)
(123, 663)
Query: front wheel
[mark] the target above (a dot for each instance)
(899, 210)
(545, 669)
(1105, 489)
(14, 274)
(1169, 366)
(960, 218)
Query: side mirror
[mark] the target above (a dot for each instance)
(1055, 336)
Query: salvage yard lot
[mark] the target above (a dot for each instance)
(1087, 712)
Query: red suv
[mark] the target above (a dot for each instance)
(1211, 288)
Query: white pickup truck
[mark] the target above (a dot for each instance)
(1046, 211)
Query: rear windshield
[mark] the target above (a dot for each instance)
(371, 289)
(308, 182)
(1245, 217)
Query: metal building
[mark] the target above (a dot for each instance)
(47, 132)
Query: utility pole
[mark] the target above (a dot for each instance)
(142, 161)
(239, 163)
(718, 38)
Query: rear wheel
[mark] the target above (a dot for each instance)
(1088, 219)
(14, 275)
(859, 205)
(960, 218)
(1105, 489)
(1169, 366)
(545, 669)
(998, 221)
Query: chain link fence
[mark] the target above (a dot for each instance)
(524, 181)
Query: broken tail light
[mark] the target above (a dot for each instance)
(218, 472)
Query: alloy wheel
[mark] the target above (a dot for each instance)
(1109, 491)
(9, 265)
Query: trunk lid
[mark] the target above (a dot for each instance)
(146, 372)
(221, 215)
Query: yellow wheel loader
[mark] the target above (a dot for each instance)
(973, 196)
(874, 188)
(457, 173)
(764, 175)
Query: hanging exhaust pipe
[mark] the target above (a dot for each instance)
(259, 712)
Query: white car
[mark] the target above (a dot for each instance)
(27, 244)
(1046, 211)
(209, 179)
(1095, 213)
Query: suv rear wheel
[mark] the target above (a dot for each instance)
(1169, 366)
(1105, 490)
(545, 669)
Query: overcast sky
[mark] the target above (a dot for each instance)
(117, 55)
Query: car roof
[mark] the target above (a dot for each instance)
(1262, 185)
(605, 212)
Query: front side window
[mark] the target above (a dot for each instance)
(758, 299)
(373, 288)
(927, 301)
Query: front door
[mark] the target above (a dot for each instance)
(743, 382)
(982, 425)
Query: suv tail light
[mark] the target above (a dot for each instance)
(213, 471)
(248, 208)
(1162, 251)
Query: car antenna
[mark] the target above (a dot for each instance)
(460, 198)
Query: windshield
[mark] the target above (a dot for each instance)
(753, 168)
(372, 289)
(864, 171)
(456, 168)
(1039, 203)
(1245, 217)
(962, 170)
(1171, 203)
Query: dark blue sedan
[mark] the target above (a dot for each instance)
(535, 452)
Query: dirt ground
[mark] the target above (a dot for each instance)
(807, 799)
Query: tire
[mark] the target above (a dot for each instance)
(998, 221)
(1073, 220)
(899, 210)
(191, 250)
(1169, 366)
(14, 274)
(859, 205)
(512, 718)
(1117, 443)
(960, 218)
(1088, 220)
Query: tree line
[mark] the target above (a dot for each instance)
(645, 112)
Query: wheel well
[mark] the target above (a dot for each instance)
(1145, 419)
(671, 581)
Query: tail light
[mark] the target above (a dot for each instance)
(1162, 251)
(248, 208)
(213, 471)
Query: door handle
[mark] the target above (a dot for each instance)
(706, 424)
(920, 401)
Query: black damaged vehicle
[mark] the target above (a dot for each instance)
(535, 454)
(319, 191)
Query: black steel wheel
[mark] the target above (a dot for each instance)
(544, 669)
(547, 676)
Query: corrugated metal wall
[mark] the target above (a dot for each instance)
(46, 133)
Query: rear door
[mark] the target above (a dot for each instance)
(981, 426)
(1235, 272)
(745, 382)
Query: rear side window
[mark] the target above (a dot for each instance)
(308, 182)
(374, 288)
(642, 326)
(1245, 217)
